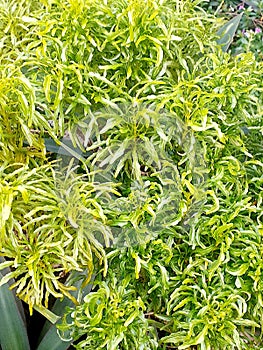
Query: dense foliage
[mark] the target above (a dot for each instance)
(155, 195)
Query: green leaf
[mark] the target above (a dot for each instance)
(253, 3)
(46, 86)
(239, 271)
(64, 147)
(227, 32)
(47, 314)
(49, 337)
(246, 323)
(13, 333)
(196, 340)
(28, 19)
(52, 341)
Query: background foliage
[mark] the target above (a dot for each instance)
(249, 34)
(160, 205)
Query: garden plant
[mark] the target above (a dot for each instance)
(131, 187)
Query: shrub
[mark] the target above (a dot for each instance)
(160, 204)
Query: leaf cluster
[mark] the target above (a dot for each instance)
(167, 195)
